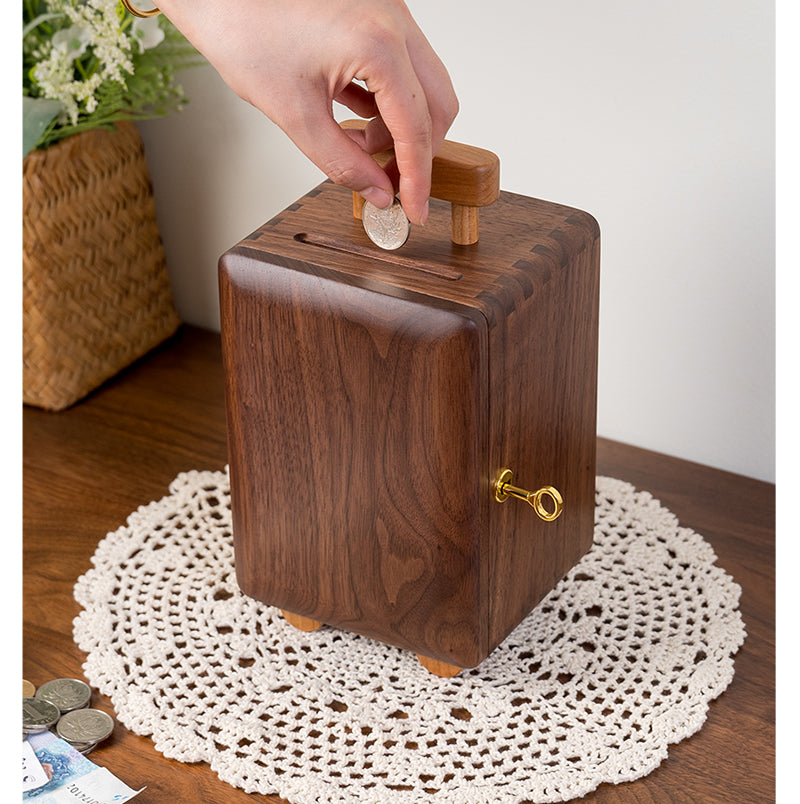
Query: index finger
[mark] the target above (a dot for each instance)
(418, 104)
(403, 107)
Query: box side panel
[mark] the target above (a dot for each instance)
(543, 368)
(357, 438)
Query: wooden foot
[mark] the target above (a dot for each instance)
(303, 623)
(441, 669)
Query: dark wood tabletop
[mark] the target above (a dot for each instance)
(87, 468)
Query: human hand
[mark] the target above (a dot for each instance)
(292, 58)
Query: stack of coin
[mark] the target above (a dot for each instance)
(67, 694)
(64, 703)
(83, 729)
(38, 715)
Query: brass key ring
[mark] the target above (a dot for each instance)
(137, 12)
(503, 490)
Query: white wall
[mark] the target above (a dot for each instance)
(657, 117)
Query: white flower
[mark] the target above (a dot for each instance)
(147, 33)
(72, 41)
(95, 24)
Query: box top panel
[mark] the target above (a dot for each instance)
(523, 243)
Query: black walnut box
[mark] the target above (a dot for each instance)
(378, 403)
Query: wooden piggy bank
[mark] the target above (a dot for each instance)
(412, 432)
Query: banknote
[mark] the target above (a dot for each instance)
(70, 776)
(33, 774)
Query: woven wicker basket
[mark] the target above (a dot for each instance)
(96, 294)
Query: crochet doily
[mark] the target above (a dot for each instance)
(617, 663)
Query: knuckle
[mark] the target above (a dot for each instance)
(380, 40)
(451, 108)
(340, 172)
(418, 133)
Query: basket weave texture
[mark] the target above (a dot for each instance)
(96, 294)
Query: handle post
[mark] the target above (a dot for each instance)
(464, 224)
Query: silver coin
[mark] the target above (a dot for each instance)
(38, 715)
(387, 228)
(66, 693)
(85, 726)
(83, 748)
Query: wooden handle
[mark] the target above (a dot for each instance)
(466, 176)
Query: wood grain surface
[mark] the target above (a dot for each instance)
(357, 434)
(87, 468)
(543, 397)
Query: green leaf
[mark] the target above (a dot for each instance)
(37, 114)
(35, 23)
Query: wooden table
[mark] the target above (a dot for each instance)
(87, 468)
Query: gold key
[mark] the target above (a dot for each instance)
(503, 489)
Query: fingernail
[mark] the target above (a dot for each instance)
(378, 197)
(424, 216)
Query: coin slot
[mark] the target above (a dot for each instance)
(323, 241)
